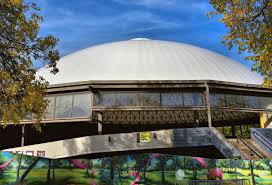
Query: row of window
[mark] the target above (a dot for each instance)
(149, 99)
(240, 101)
(69, 105)
(79, 104)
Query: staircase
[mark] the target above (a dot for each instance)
(249, 149)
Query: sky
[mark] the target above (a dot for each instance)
(83, 23)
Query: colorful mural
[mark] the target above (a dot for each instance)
(131, 170)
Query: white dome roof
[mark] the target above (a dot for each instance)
(143, 59)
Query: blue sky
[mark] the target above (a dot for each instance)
(83, 23)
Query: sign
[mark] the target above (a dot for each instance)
(41, 153)
(145, 137)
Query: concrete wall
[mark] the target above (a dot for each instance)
(172, 138)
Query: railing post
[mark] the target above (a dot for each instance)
(208, 103)
(23, 136)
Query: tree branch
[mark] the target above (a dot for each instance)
(260, 12)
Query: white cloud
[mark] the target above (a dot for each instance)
(148, 3)
(123, 22)
(192, 5)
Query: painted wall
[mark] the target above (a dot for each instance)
(132, 169)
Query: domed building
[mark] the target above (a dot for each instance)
(147, 95)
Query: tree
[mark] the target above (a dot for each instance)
(249, 24)
(162, 160)
(21, 92)
(141, 163)
(118, 164)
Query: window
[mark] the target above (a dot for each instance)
(108, 99)
(149, 99)
(266, 102)
(172, 99)
(63, 106)
(134, 98)
(193, 99)
(81, 105)
(50, 107)
(126, 99)
(235, 101)
(251, 102)
(218, 100)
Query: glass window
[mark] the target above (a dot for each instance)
(218, 100)
(97, 99)
(63, 106)
(172, 99)
(234, 100)
(126, 99)
(251, 102)
(50, 107)
(149, 99)
(108, 99)
(266, 102)
(193, 99)
(82, 105)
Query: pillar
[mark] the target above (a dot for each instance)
(23, 136)
(262, 120)
(99, 123)
(208, 103)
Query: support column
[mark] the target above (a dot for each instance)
(99, 123)
(262, 121)
(23, 136)
(207, 97)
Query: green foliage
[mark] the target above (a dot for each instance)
(249, 24)
(21, 93)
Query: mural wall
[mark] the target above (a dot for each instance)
(132, 170)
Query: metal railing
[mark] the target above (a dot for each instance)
(253, 149)
(260, 138)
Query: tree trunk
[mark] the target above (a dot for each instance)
(184, 163)
(119, 174)
(144, 175)
(252, 172)
(18, 168)
(194, 174)
(54, 166)
(87, 169)
(162, 175)
(112, 172)
(28, 170)
(49, 170)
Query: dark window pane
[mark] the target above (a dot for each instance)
(149, 99)
(193, 99)
(63, 108)
(251, 102)
(234, 101)
(82, 105)
(126, 99)
(172, 99)
(108, 99)
(218, 100)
